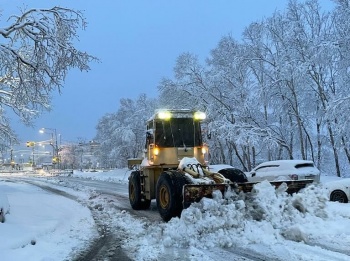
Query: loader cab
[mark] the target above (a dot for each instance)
(172, 135)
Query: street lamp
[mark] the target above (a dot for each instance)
(54, 142)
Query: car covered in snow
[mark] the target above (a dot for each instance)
(278, 170)
(338, 190)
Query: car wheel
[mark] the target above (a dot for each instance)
(340, 196)
(135, 196)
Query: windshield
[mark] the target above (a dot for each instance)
(183, 132)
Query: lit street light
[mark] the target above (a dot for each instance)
(54, 142)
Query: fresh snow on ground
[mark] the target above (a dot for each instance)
(118, 176)
(41, 226)
(305, 226)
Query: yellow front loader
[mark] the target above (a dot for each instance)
(174, 169)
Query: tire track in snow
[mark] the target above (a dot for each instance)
(329, 248)
(106, 247)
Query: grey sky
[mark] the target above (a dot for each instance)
(137, 43)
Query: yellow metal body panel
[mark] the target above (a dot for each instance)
(134, 162)
(151, 175)
(173, 156)
(167, 158)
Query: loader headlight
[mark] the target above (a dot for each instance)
(204, 149)
(156, 151)
(199, 115)
(164, 115)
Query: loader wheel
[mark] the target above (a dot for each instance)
(169, 194)
(135, 196)
(340, 196)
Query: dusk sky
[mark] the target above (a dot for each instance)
(137, 43)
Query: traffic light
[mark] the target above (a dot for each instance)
(55, 160)
(30, 143)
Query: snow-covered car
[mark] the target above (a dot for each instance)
(284, 170)
(338, 190)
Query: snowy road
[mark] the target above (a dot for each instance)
(116, 192)
(212, 230)
(108, 245)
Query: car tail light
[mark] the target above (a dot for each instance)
(293, 177)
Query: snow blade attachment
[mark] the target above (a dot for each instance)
(195, 192)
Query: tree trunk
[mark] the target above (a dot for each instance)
(241, 160)
(335, 152)
(347, 152)
(319, 144)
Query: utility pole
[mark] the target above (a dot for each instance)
(33, 158)
(55, 156)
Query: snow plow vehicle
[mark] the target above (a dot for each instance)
(174, 170)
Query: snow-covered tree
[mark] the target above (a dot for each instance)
(70, 156)
(36, 52)
(281, 93)
(122, 135)
(337, 105)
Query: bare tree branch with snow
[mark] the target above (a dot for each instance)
(36, 52)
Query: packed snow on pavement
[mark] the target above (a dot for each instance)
(306, 226)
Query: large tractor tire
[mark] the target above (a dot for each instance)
(169, 194)
(135, 196)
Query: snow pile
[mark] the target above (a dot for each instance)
(265, 216)
(237, 218)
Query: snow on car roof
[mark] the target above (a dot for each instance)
(285, 162)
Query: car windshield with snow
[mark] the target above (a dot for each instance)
(284, 170)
